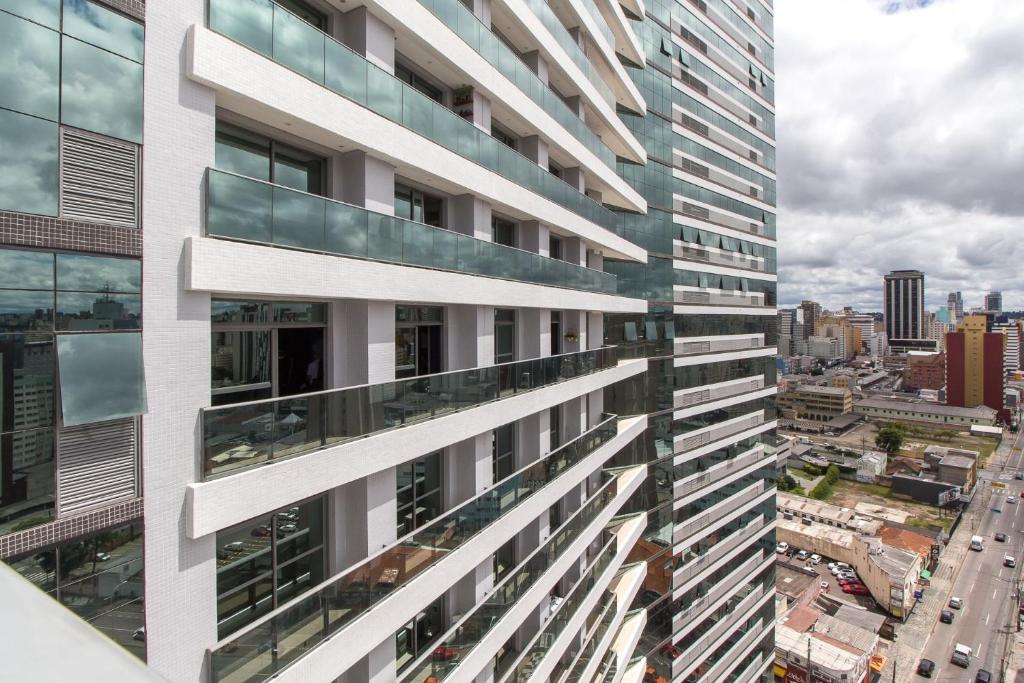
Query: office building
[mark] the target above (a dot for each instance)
(904, 310)
(1014, 331)
(448, 374)
(810, 402)
(994, 302)
(974, 366)
(955, 306)
(811, 312)
(848, 338)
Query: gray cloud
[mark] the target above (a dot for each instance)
(899, 146)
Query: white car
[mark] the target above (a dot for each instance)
(1011, 499)
(815, 558)
(956, 603)
(801, 555)
(824, 585)
(782, 548)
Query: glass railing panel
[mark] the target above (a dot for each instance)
(465, 24)
(470, 631)
(543, 641)
(297, 627)
(256, 211)
(312, 53)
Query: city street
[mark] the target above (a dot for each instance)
(981, 581)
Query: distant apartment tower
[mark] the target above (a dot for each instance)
(974, 365)
(811, 311)
(1014, 332)
(848, 337)
(955, 305)
(904, 309)
(994, 302)
(865, 324)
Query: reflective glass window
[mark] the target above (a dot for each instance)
(45, 12)
(419, 492)
(26, 269)
(503, 451)
(101, 91)
(26, 310)
(26, 481)
(104, 28)
(29, 67)
(241, 152)
(26, 391)
(28, 146)
(97, 311)
(82, 273)
(101, 377)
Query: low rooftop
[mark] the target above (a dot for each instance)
(978, 413)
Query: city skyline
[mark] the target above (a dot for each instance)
(915, 103)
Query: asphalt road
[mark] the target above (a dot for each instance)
(986, 586)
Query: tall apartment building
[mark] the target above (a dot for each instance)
(848, 338)
(811, 313)
(458, 360)
(903, 292)
(974, 366)
(1014, 331)
(994, 302)
(864, 323)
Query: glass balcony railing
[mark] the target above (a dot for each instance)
(598, 622)
(247, 209)
(455, 645)
(542, 643)
(562, 36)
(253, 434)
(602, 26)
(457, 17)
(276, 641)
(273, 31)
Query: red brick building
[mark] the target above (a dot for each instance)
(925, 371)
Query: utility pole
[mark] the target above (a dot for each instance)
(809, 656)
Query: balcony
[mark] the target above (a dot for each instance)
(258, 433)
(719, 257)
(719, 511)
(719, 344)
(241, 208)
(460, 20)
(716, 297)
(268, 646)
(271, 30)
(717, 473)
(712, 433)
(722, 664)
(716, 553)
(687, 398)
(711, 599)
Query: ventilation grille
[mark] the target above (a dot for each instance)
(97, 465)
(99, 179)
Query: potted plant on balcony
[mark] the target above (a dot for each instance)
(462, 101)
(572, 336)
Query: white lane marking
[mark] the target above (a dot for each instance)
(994, 593)
(986, 618)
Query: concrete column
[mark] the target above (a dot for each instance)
(574, 250)
(579, 35)
(364, 515)
(535, 237)
(595, 407)
(363, 180)
(470, 336)
(482, 10)
(535, 149)
(595, 260)
(470, 216)
(574, 176)
(362, 342)
(467, 469)
(595, 330)
(575, 322)
(480, 108)
(369, 36)
(536, 61)
(471, 589)
(533, 330)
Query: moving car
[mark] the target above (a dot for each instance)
(983, 676)
(1001, 537)
(961, 655)
(946, 616)
(925, 668)
(1009, 561)
(976, 543)
(1011, 499)
(956, 603)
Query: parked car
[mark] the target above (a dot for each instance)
(782, 548)
(925, 668)
(956, 603)
(802, 555)
(1009, 561)
(815, 558)
(824, 585)
(983, 676)
(859, 589)
(102, 557)
(946, 616)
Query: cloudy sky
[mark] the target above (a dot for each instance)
(900, 146)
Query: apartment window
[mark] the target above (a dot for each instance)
(504, 335)
(419, 340)
(556, 333)
(503, 452)
(99, 577)
(555, 422)
(266, 561)
(418, 635)
(404, 73)
(256, 156)
(504, 560)
(504, 137)
(504, 232)
(554, 169)
(262, 349)
(555, 247)
(81, 67)
(305, 12)
(414, 205)
(419, 492)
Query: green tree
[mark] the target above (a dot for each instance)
(787, 483)
(832, 474)
(812, 470)
(822, 491)
(890, 438)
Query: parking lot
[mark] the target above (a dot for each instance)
(791, 579)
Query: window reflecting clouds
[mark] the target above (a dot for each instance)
(29, 67)
(28, 147)
(100, 91)
(45, 12)
(104, 28)
(101, 377)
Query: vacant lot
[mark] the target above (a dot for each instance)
(848, 493)
(917, 439)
